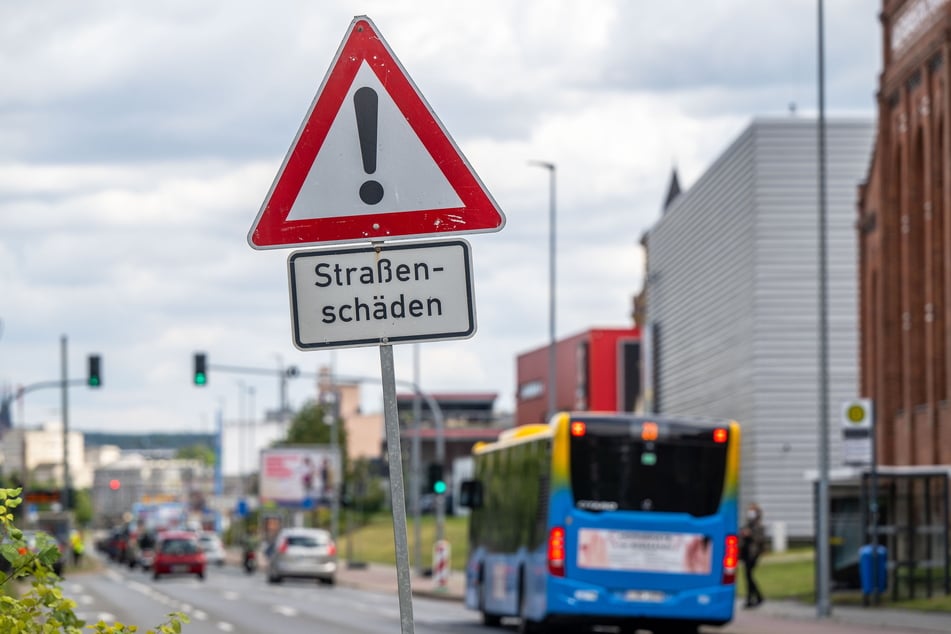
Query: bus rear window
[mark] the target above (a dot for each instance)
(681, 471)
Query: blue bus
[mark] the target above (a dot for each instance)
(605, 519)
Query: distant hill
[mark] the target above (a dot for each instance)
(149, 441)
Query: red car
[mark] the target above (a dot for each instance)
(178, 552)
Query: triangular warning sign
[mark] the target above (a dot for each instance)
(371, 161)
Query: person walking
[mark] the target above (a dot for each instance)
(78, 546)
(752, 543)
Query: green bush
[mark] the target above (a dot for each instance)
(41, 608)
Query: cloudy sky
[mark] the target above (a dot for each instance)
(140, 139)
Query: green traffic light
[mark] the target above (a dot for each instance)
(439, 487)
(94, 381)
(200, 378)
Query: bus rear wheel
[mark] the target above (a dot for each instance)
(525, 624)
(490, 620)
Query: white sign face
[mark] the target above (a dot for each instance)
(383, 294)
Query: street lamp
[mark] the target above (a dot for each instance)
(552, 379)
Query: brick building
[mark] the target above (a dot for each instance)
(904, 233)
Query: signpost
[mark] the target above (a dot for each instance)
(371, 162)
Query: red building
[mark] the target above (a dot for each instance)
(598, 369)
(904, 225)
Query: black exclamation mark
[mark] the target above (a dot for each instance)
(365, 106)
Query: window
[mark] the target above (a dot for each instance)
(681, 472)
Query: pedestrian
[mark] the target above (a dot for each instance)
(752, 543)
(77, 545)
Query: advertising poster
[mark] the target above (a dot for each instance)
(682, 553)
(305, 476)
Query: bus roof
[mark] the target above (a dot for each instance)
(515, 436)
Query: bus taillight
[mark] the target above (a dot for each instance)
(730, 556)
(556, 551)
(578, 429)
(649, 431)
(719, 435)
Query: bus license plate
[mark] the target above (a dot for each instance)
(644, 596)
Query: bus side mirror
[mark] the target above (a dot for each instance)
(470, 494)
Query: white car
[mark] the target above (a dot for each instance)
(211, 545)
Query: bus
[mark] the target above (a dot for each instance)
(605, 519)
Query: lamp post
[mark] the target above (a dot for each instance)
(823, 565)
(551, 387)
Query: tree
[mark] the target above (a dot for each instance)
(310, 426)
(200, 452)
(43, 609)
(82, 507)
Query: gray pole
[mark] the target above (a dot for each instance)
(440, 459)
(552, 386)
(335, 449)
(250, 431)
(873, 508)
(415, 479)
(240, 438)
(397, 494)
(64, 374)
(823, 606)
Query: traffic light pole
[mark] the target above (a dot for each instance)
(283, 374)
(438, 421)
(65, 501)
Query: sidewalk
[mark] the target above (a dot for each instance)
(877, 617)
(382, 578)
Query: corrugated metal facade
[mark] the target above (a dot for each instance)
(732, 290)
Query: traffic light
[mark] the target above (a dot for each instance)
(201, 376)
(94, 377)
(436, 482)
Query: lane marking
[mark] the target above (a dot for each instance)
(285, 610)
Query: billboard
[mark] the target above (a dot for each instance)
(303, 476)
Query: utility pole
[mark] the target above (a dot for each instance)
(64, 379)
(552, 388)
(414, 476)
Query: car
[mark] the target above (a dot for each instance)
(303, 553)
(34, 541)
(176, 553)
(211, 545)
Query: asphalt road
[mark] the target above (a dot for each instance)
(228, 600)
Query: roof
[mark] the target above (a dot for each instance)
(453, 396)
(455, 433)
(673, 190)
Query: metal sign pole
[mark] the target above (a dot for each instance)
(397, 496)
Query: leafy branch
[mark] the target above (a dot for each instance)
(42, 608)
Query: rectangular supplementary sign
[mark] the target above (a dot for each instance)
(381, 294)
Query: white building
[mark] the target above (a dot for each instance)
(732, 302)
(38, 451)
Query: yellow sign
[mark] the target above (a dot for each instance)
(857, 414)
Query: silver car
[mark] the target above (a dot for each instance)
(303, 552)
